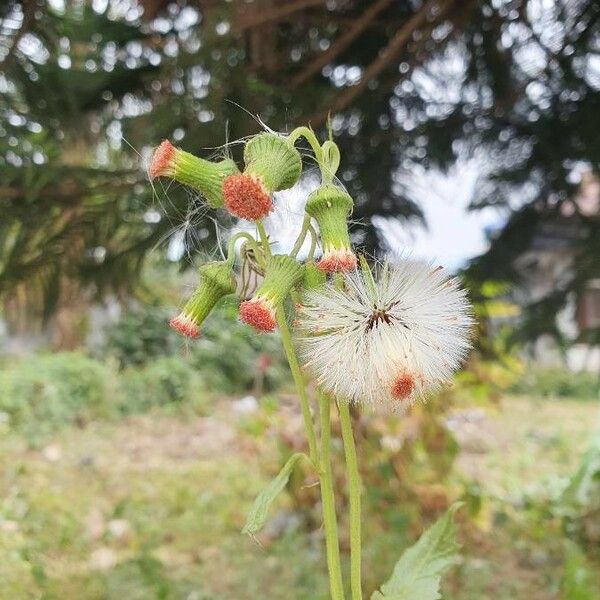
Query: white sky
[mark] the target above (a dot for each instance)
(452, 234)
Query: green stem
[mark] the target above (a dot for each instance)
(264, 238)
(232, 242)
(311, 138)
(286, 340)
(301, 236)
(336, 585)
(313, 242)
(354, 486)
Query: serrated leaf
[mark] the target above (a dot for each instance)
(418, 573)
(258, 513)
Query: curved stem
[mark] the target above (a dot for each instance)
(309, 135)
(233, 241)
(331, 161)
(336, 585)
(354, 486)
(286, 340)
(264, 238)
(313, 242)
(301, 236)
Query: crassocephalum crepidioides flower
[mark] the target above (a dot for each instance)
(216, 281)
(282, 274)
(271, 164)
(331, 206)
(201, 175)
(386, 342)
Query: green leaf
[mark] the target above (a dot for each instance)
(577, 581)
(258, 513)
(418, 573)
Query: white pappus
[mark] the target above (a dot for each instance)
(384, 341)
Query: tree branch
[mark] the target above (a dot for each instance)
(358, 26)
(385, 58)
(244, 22)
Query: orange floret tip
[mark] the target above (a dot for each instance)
(245, 198)
(338, 261)
(402, 386)
(185, 326)
(161, 160)
(258, 314)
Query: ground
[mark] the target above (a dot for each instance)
(152, 506)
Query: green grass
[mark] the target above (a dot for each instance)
(151, 507)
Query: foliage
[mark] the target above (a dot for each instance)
(45, 392)
(577, 582)
(419, 571)
(552, 383)
(233, 358)
(229, 355)
(258, 513)
(162, 382)
(455, 82)
(139, 336)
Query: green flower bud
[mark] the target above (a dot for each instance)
(216, 280)
(272, 164)
(201, 175)
(331, 206)
(281, 275)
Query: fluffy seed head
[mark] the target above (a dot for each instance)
(162, 161)
(259, 313)
(245, 197)
(388, 342)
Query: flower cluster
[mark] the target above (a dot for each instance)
(382, 341)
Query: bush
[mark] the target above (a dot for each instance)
(139, 336)
(164, 382)
(228, 354)
(43, 392)
(558, 383)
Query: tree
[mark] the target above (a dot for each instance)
(408, 83)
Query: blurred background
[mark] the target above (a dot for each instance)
(469, 132)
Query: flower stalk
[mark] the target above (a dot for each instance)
(354, 491)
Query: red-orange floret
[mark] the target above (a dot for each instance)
(245, 197)
(185, 326)
(161, 159)
(403, 386)
(338, 261)
(258, 314)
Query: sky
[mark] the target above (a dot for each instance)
(450, 237)
(452, 234)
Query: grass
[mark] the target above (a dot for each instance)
(152, 508)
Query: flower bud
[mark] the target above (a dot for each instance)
(282, 273)
(272, 163)
(313, 277)
(216, 281)
(330, 206)
(201, 175)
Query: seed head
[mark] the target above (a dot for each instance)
(385, 342)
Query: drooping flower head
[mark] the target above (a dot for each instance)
(272, 163)
(385, 343)
(282, 274)
(201, 175)
(216, 280)
(330, 206)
